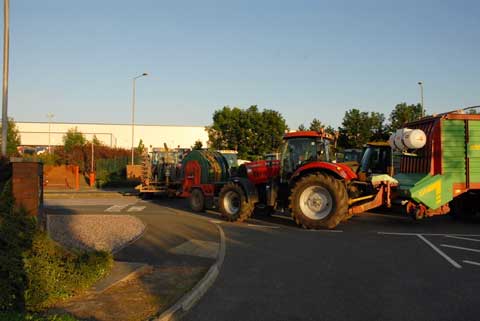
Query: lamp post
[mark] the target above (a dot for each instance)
(49, 116)
(421, 97)
(133, 113)
(6, 46)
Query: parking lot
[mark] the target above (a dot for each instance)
(373, 267)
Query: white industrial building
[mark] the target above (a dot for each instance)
(113, 135)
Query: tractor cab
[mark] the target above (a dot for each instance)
(301, 148)
(377, 159)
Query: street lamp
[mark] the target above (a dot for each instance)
(6, 46)
(49, 116)
(421, 97)
(133, 112)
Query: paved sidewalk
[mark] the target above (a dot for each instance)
(155, 271)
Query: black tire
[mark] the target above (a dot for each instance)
(145, 196)
(329, 198)
(463, 207)
(233, 203)
(197, 200)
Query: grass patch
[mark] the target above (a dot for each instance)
(54, 273)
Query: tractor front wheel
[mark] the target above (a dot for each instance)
(318, 201)
(233, 203)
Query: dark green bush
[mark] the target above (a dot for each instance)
(16, 231)
(35, 271)
(54, 273)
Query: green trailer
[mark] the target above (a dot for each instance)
(444, 175)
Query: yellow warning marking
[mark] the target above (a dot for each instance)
(437, 187)
(475, 147)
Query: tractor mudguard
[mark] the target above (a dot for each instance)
(248, 187)
(342, 171)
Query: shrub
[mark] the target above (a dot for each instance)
(16, 230)
(54, 273)
(5, 172)
(35, 272)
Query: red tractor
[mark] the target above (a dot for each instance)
(304, 181)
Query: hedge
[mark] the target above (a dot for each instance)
(36, 272)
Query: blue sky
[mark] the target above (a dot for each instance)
(305, 59)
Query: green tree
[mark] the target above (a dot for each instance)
(301, 128)
(355, 130)
(13, 137)
(316, 125)
(73, 138)
(403, 113)
(379, 131)
(198, 144)
(249, 131)
(360, 127)
(329, 129)
(141, 147)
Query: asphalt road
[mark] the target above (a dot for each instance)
(373, 267)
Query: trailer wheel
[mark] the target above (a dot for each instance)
(197, 200)
(318, 201)
(233, 203)
(464, 206)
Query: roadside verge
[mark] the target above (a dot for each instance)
(189, 299)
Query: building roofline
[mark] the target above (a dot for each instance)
(112, 124)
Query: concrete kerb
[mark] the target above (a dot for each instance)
(188, 300)
(139, 236)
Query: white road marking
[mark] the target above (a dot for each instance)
(429, 234)
(462, 238)
(136, 209)
(116, 208)
(471, 262)
(216, 221)
(266, 226)
(436, 249)
(328, 231)
(460, 248)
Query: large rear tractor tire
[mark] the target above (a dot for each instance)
(319, 201)
(197, 200)
(233, 203)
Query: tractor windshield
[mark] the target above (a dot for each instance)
(301, 150)
(376, 160)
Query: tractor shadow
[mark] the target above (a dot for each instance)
(381, 219)
(277, 218)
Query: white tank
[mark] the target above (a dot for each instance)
(406, 138)
(415, 139)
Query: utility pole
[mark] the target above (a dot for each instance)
(6, 46)
(133, 114)
(49, 116)
(421, 97)
(91, 165)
